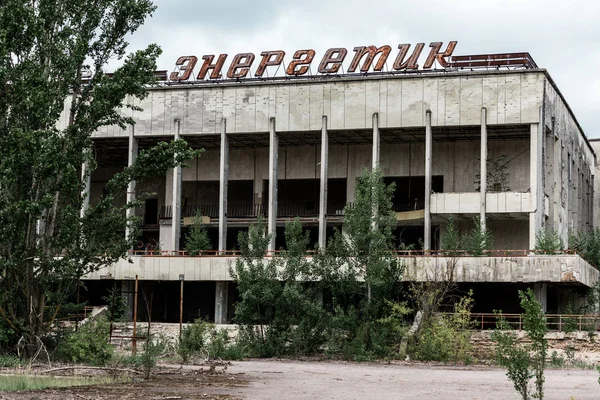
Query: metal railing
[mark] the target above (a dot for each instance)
(285, 209)
(554, 322)
(399, 253)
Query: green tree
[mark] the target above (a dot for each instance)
(478, 240)
(524, 362)
(278, 311)
(53, 57)
(548, 242)
(197, 240)
(361, 271)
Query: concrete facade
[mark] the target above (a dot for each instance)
(500, 146)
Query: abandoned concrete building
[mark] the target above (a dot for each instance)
(499, 144)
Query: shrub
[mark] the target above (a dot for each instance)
(447, 338)
(524, 362)
(194, 338)
(197, 240)
(89, 344)
(548, 242)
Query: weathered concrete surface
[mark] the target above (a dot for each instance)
(400, 100)
(566, 268)
(336, 380)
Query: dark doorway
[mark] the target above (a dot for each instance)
(151, 212)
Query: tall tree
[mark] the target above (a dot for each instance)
(53, 56)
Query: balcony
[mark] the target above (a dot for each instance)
(284, 210)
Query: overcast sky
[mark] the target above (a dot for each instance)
(562, 36)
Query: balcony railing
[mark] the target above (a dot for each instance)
(305, 209)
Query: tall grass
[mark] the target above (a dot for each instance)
(11, 383)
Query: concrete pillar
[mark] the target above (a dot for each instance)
(131, 156)
(323, 187)
(273, 176)
(535, 180)
(128, 293)
(541, 295)
(221, 296)
(86, 178)
(483, 169)
(376, 140)
(375, 159)
(223, 183)
(176, 201)
(428, 143)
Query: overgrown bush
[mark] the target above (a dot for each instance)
(524, 361)
(9, 361)
(548, 242)
(587, 244)
(478, 240)
(202, 338)
(447, 337)
(89, 344)
(193, 339)
(197, 240)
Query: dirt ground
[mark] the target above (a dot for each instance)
(327, 380)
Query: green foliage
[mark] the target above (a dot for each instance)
(548, 242)
(10, 361)
(89, 344)
(478, 240)
(289, 305)
(524, 362)
(203, 338)
(450, 240)
(193, 339)
(47, 239)
(446, 337)
(277, 312)
(587, 245)
(116, 304)
(197, 240)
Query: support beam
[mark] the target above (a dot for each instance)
(273, 176)
(323, 188)
(428, 144)
(86, 178)
(131, 156)
(536, 218)
(127, 293)
(223, 183)
(176, 201)
(221, 297)
(376, 140)
(540, 290)
(483, 168)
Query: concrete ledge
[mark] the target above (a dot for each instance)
(560, 268)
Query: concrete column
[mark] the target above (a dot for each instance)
(86, 178)
(535, 180)
(541, 295)
(131, 156)
(273, 176)
(376, 140)
(428, 144)
(221, 296)
(483, 169)
(176, 201)
(127, 293)
(223, 183)
(323, 188)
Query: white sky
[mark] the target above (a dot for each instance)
(562, 36)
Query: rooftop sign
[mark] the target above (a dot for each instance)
(365, 59)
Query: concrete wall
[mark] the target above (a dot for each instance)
(511, 97)
(456, 161)
(572, 269)
(569, 167)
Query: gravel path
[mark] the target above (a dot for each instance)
(336, 380)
